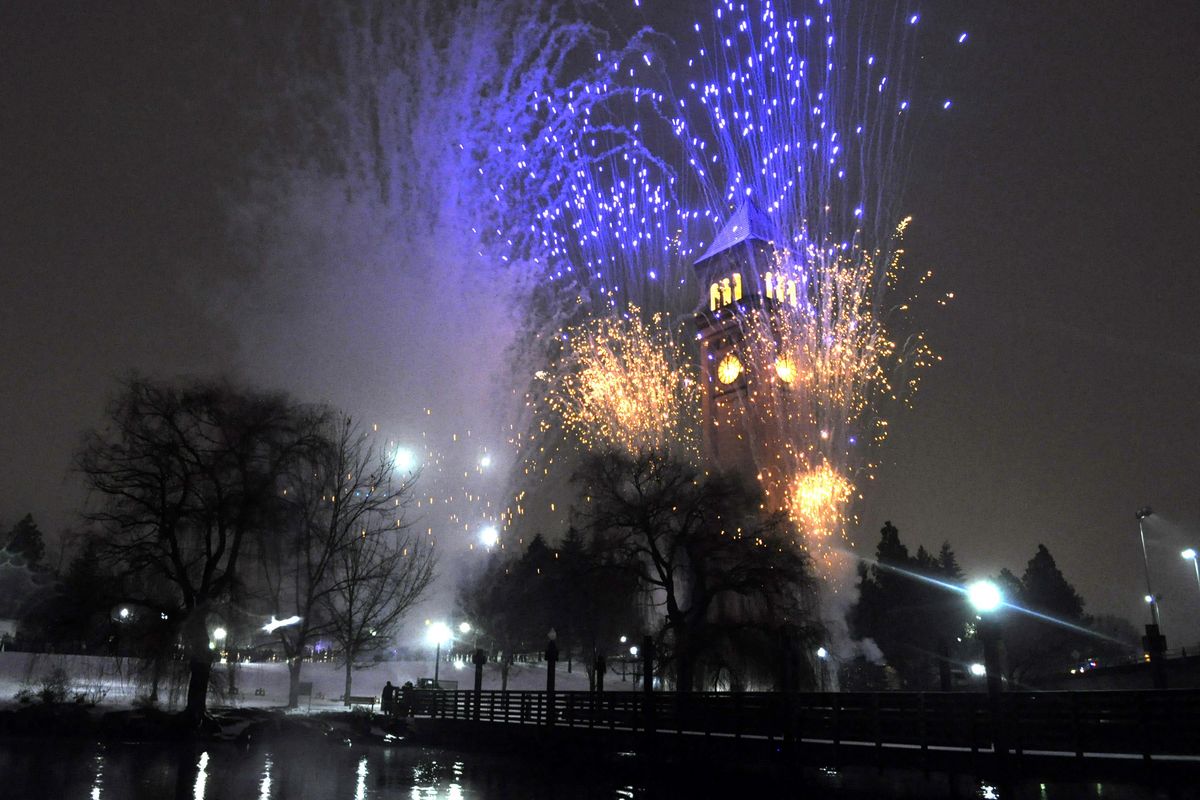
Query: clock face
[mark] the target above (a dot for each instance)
(730, 369)
(785, 368)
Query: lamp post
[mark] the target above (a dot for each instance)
(1190, 555)
(986, 599)
(1153, 642)
(1142, 513)
(439, 633)
(551, 662)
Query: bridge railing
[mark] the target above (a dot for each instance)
(1128, 722)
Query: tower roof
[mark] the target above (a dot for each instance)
(748, 222)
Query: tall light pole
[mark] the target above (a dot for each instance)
(986, 600)
(1153, 642)
(1190, 555)
(1142, 513)
(439, 634)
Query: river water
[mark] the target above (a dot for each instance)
(83, 770)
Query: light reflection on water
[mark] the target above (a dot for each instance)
(201, 776)
(264, 786)
(289, 770)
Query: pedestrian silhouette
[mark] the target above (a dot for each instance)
(389, 697)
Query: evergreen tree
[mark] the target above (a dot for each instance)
(1045, 641)
(25, 540)
(1047, 591)
(907, 608)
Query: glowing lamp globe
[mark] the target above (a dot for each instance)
(984, 596)
(405, 460)
(1189, 554)
(978, 670)
(439, 633)
(489, 536)
(464, 627)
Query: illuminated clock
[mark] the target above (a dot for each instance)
(729, 369)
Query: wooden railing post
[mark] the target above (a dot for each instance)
(923, 729)
(836, 723)
(876, 728)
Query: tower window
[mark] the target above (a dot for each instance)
(725, 291)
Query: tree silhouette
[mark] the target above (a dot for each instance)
(909, 607)
(1045, 641)
(182, 478)
(25, 540)
(700, 549)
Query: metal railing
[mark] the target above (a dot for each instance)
(1140, 723)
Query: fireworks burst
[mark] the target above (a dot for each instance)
(626, 383)
(791, 125)
(816, 501)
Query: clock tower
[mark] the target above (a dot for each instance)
(736, 273)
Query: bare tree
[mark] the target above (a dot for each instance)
(379, 569)
(335, 494)
(702, 550)
(185, 476)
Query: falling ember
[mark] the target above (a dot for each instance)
(624, 382)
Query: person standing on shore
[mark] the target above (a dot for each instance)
(389, 698)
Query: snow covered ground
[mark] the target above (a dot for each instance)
(116, 683)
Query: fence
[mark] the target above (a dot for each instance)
(1142, 723)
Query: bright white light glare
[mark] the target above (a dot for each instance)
(978, 670)
(439, 633)
(1189, 554)
(822, 652)
(485, 462)
(984, 596)
(464, 627)
(633, 651)
(124, 613)
(623, 640)
(406, 461)
(489, 536)
(1148, 598)
(219, 634)
(275, 624)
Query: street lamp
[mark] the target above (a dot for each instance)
(489, 536)
(986, 598)
(1142, 513)
(405, 460)
(823, 656)
(439, 633)
(1190, 555)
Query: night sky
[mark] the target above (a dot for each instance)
(1058, 202)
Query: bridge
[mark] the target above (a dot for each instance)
(1046, 733)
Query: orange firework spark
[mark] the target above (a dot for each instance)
(622, 381)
